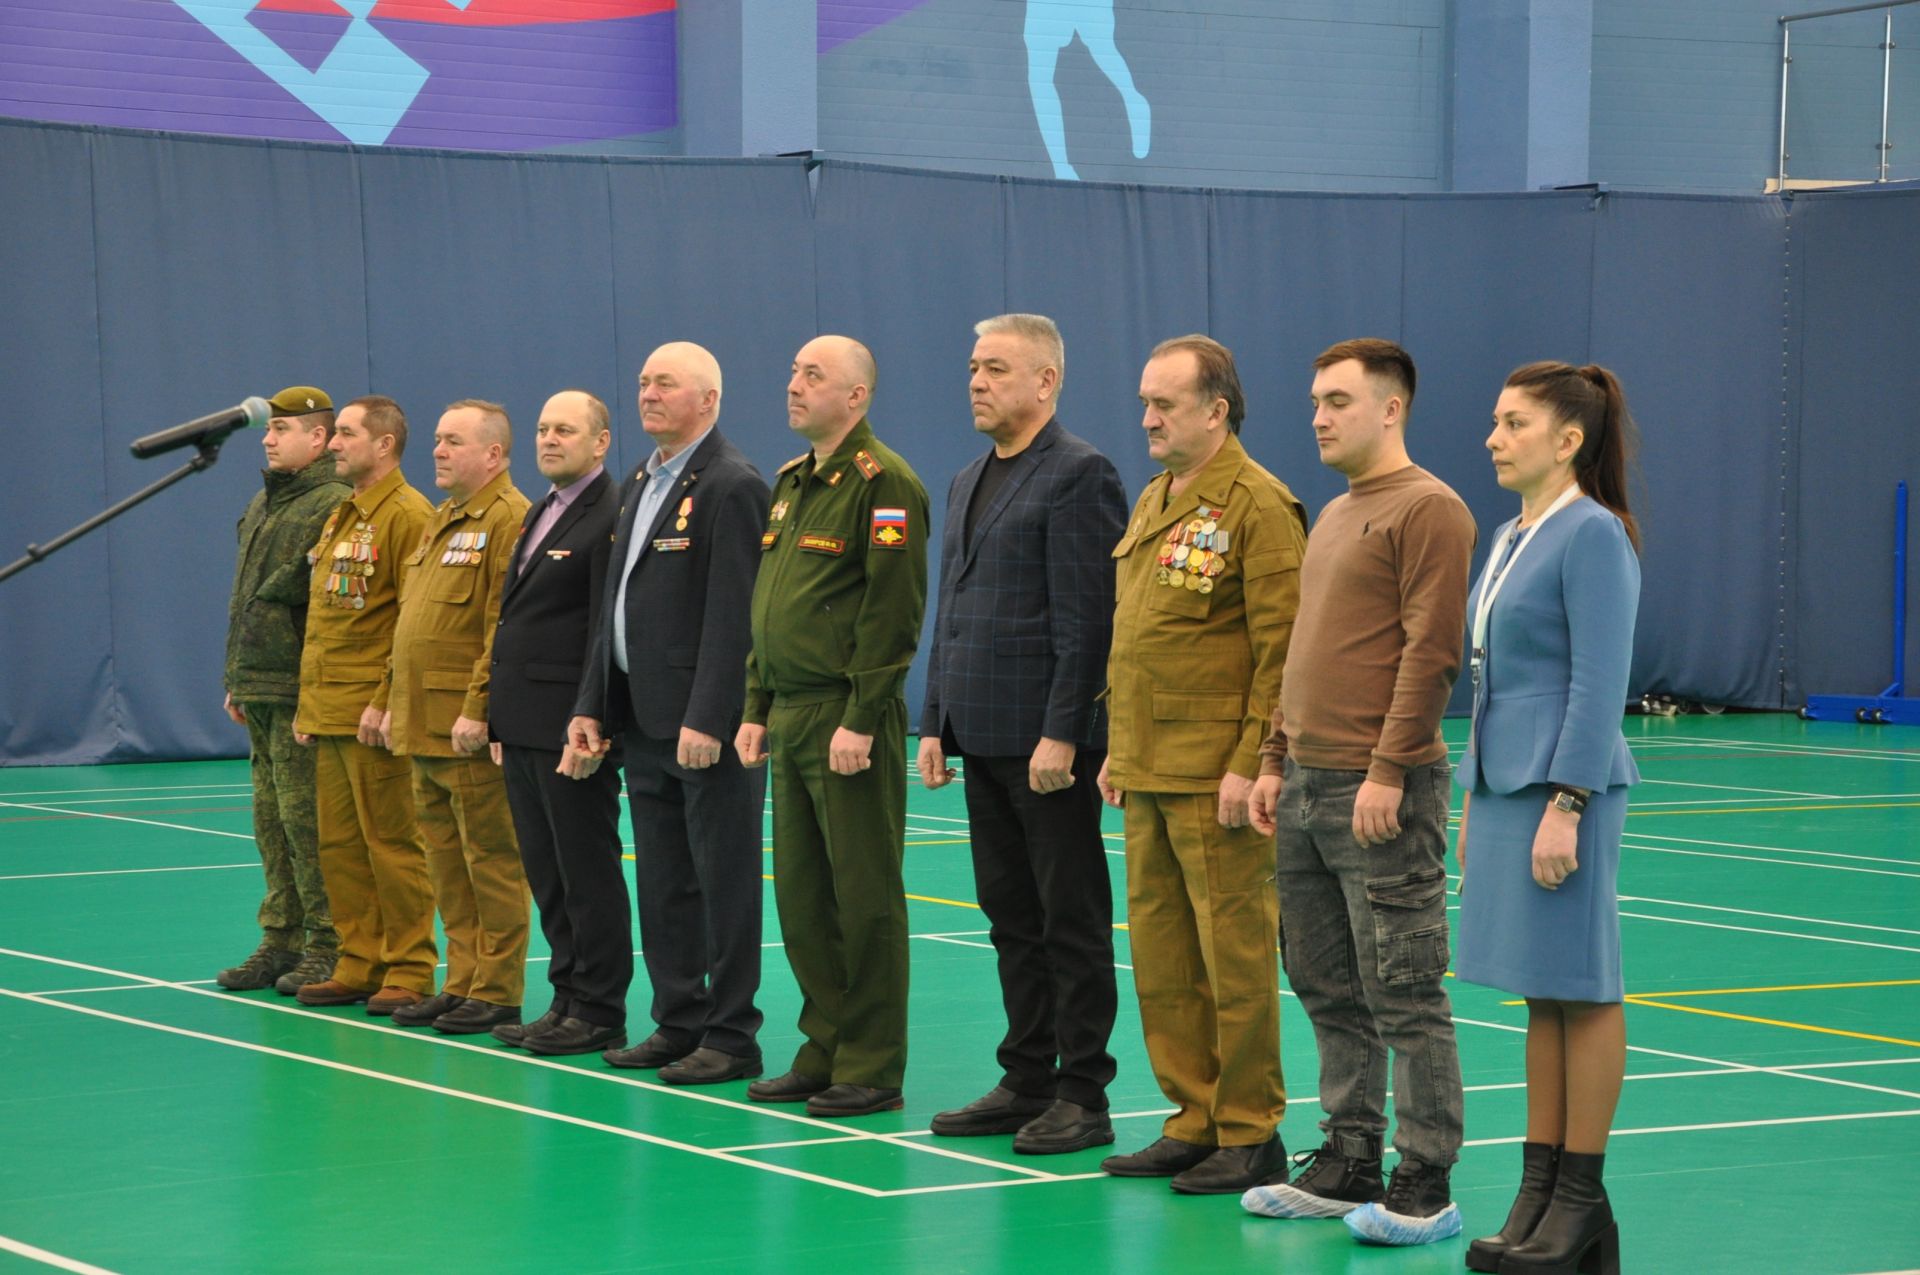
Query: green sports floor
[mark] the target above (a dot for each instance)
(150, 1122)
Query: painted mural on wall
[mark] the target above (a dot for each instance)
(481, 74)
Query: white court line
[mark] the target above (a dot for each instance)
(108, 801)
(1788, 863)
(677, 1091)
(51, 1259)
(444, 1091)
(941, 938)
(1776, 916)
(1722, 801)
(124, 872)
(1771, 792)
(1795, 750)
(63, 792)
(1785, 934)
(1747, 845)
(151, 823)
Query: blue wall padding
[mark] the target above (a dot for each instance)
(153, 278)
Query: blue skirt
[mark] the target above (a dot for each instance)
(1513, 934)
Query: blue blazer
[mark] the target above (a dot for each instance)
(1553, 683)
(1025, 614)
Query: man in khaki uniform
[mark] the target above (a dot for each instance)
(370, 853)
(437, 714)
(1208, 583)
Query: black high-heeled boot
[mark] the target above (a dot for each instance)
(1577, 1234)
(1539, 1164)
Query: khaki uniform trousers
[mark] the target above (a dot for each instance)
(374, 867)
(1204, 925)
(479, 884)
(837, 847)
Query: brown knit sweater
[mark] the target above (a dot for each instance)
(1376, 646)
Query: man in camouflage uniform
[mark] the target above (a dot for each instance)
(266, 622)
(836, 617)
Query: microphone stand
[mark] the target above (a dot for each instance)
(208, 452)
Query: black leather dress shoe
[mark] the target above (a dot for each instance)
(419, 1015)
(515, 1034)
(574, 1036)
(1065, 1126)
(1001, 1110)
(853, 1100)
(1162, 1159)
(655, 1051)
(475, 1016)
(710, 1067)
(1231, 1170)
(793, 1086)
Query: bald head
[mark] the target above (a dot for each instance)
(830, 389)
(572, 437)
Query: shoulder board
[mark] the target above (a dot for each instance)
(870, 468)
(792, 463)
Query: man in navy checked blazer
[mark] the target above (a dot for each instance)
(1018, 661)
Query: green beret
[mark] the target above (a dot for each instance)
(298, 400)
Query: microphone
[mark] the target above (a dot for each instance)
(211, 428)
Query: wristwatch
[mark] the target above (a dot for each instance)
(1568, 800)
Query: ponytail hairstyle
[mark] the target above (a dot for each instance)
(1591, 398)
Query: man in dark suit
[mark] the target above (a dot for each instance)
(1018, 661)
(667, 674)
(569, 828)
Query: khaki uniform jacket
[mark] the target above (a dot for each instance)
(842, 587)
(442, 661)
(351, 612)
(1197, 653)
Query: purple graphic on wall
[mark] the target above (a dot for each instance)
(482, 74)
(844, 20)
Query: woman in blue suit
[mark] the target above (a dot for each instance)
(1546, 773)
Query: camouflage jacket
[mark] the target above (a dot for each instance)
(268, 614)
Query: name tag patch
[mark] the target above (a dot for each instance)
(824, 544)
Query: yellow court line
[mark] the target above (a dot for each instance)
(1797, 987)
(1774, 1022)
(1772, 810)
(928, 898)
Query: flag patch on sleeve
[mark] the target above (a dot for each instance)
(890, 528)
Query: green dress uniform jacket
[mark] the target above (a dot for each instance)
(836, 616)
(267, 617)
(1201, 625)
(354, 602)
(843, 583)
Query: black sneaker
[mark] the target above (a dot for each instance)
(1328, 1184)
(259, 970)
(1419, 1208)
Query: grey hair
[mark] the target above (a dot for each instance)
(1037, 330)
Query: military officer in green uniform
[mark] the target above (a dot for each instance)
(836, 616)
(1208, 583)
(266, 622)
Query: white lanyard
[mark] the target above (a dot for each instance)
(1490, 585)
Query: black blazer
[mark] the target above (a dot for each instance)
(688, 603)
(547, 615)
(1026, 611)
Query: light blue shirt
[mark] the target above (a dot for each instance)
(662, 477)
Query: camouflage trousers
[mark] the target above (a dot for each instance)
(294, 914)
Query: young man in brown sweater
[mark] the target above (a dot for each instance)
(1355, 785)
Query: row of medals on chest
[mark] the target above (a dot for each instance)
(352, 565)
(1195, 553)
